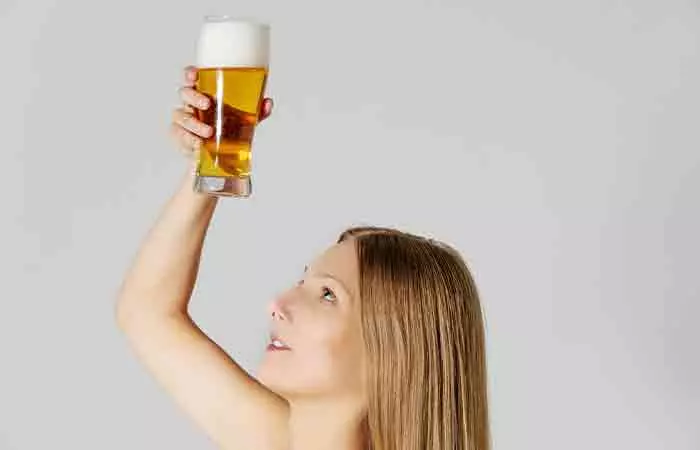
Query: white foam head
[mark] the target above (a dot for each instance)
(227, 42)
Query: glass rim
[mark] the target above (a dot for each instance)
(220, 18)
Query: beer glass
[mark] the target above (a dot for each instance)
(232, 61)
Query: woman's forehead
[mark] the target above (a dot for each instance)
(340, 261)
(340, 256)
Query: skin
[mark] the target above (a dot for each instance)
(319, 320)
(311, 397)
(322, 375)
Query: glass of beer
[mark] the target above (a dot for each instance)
(232, 63)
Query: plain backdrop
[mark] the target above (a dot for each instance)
(555, 143)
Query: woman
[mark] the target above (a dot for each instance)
(380, 345)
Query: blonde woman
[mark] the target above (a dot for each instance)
(380, 345)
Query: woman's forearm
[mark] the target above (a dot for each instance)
(162, 276)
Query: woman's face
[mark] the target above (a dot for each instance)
(318, 321)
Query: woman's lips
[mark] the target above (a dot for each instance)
(273, 348)
(276, 344)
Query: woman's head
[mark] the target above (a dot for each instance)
(318, 320)
(393, 321)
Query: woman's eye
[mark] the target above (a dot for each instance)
(328, 295)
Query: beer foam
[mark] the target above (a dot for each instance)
(233, 43)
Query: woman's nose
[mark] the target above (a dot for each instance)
(278, 309)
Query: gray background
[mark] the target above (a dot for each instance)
(555, 143)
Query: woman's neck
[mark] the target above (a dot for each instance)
(324, 426)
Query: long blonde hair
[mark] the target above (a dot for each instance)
(424, 335)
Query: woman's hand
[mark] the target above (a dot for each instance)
(186, 129)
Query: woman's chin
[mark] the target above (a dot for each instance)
(273, 377)
(289, 380)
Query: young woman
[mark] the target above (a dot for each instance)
(380, 345)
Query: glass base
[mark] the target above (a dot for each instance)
(223, 186)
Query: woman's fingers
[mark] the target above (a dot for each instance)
(266, 109)
(186, 140)
(186, 120)
(194, 98)
(190, 75)
(185, 129)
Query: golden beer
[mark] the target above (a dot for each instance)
(232, 62)
(234, 116)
